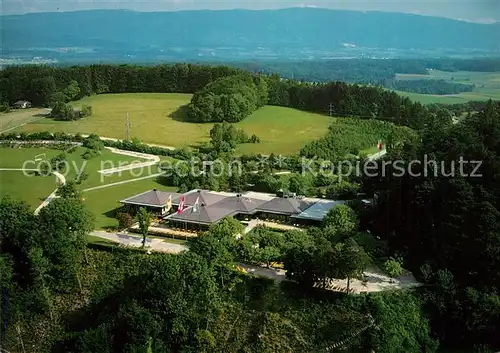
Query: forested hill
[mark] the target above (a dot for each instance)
(275, 33)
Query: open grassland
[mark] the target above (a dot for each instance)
(26, 186)
(158, 118)
(104, 202)
(20, 117)
(487, 86)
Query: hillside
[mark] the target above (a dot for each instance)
(157, 118)
(234, 35)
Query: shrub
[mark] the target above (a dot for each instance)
(125, 220)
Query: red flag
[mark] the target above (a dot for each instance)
(181, 206)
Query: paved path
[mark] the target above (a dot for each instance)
(62, 181)
(376, 280)
(136, 241)
(151, 160)
(378, 155)
(122, 182)
(147, 144)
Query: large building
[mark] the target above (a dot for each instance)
(202, 208)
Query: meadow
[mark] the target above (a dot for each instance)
(19, 117)
(487, 86)
(158, 118)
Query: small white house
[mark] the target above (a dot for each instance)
(22, 104)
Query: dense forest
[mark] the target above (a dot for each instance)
(439, 87)
(367, 71)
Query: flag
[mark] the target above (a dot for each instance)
(181, 206)
(379, 145)
(196, 206)
(169, 202)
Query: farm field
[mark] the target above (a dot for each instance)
(487, 86)
(157, 118)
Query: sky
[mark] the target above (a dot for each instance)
(484, 11)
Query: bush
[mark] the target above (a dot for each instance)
(86, 110)
(125, 220)
(254, 139)
(4, 108)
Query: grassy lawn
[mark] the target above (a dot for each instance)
(33, 189)
(487, 86)
(102, 203)
(26, 187)
(282, 130)
(157, 118)
(19, 116)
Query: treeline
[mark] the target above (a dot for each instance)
(366, 71)
(228, 99)
(346, 100)
(452, 65)
(439, 87)
(352, 71)
(38, 84)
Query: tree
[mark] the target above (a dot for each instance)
(65, 223)
(42, 90)
(86, 110)
(144, 219)
(69, 190)
(62, 111)
(72, 91)
(351, 260)
(394, 267)
(342, 219)
(300, 184)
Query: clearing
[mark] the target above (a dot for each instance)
(158, 118)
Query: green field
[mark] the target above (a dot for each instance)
(487, 86)
(103, 202)
(26, 186)
(19, 117)
(34, 189)
(158, 118)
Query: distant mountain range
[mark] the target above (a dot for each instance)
(295, 33)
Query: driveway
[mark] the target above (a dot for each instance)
(136, 241)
